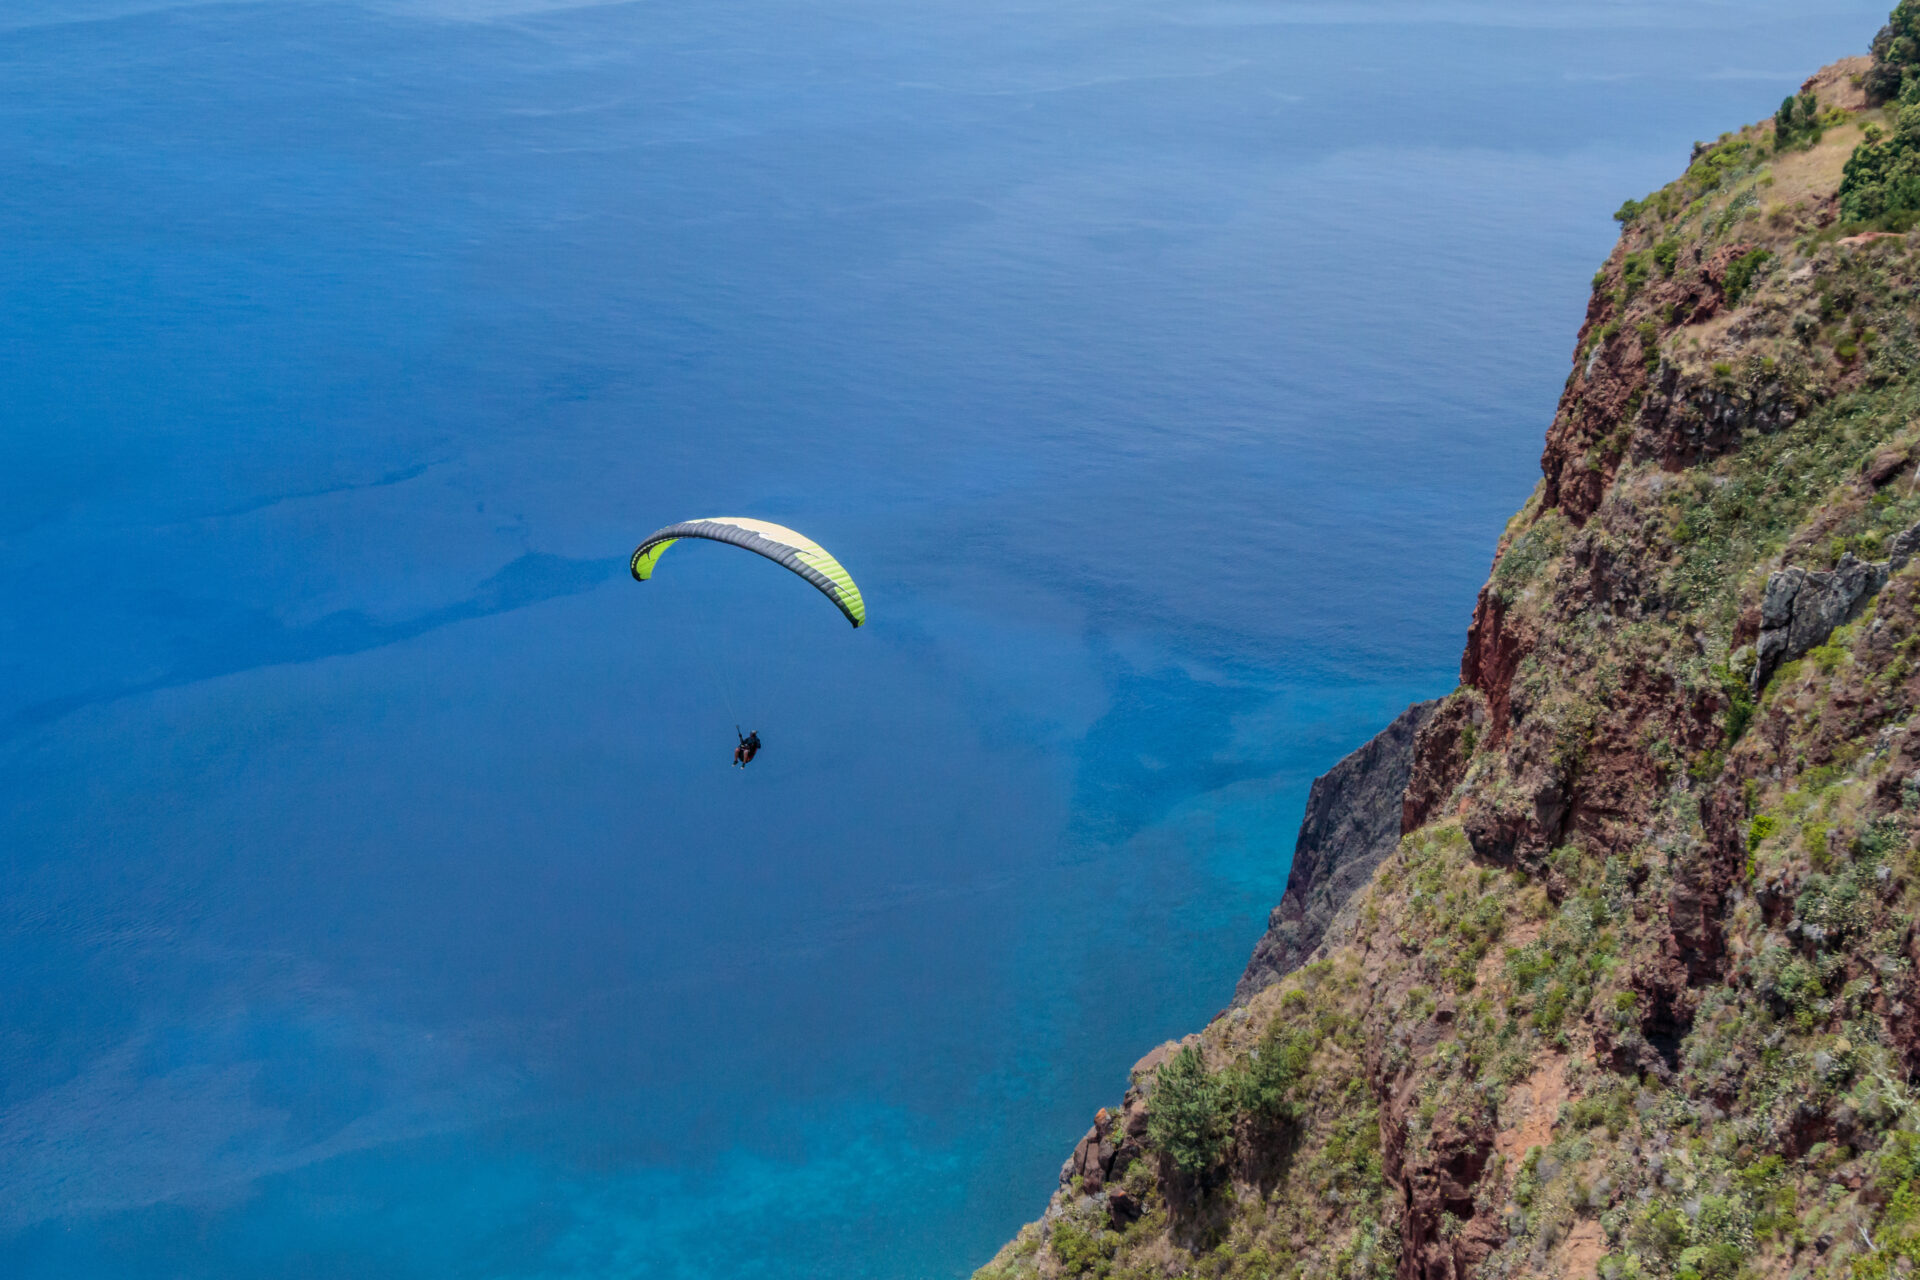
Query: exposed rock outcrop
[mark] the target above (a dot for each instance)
(1443, 1234)
(1801, 608)
(1353, 819)
(1108, 1147)
(1441, 752)
(1118, 1136)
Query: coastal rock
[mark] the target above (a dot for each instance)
(1115, 1141)
(1093, 1156)
(1353, 819)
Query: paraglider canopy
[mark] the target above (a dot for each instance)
(776, 542)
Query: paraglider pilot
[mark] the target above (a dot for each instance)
(749, 747)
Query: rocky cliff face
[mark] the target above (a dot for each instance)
(1631, 992)
(1352, 822)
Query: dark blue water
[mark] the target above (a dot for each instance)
(375, 900)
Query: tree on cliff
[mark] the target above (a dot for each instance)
(1797, 123)
(1882, 182)
(1185, 1118)
(1896, 53)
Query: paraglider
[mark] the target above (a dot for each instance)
(749, 748)
(785, 547)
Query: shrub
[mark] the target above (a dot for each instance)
(1813, 838)
(1741, 270)
(1881, 182)
(1898, 1160)
(1553, 1007)
(1621, 1266)
(1797, 123)
(1662, 1233)
(1832, 911)
(1883, 836)
(1739, 701)
(1896, 50)
(1084, 1252)
(1719, 1261)
(1649, 345)
(1761, 1175)
(1635, 273)
(1352, 1152)
(1718, 163)
(1800, 989)
(1607, 1108)
(1667, 255)
(1185, 1118)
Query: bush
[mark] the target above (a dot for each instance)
(1898, 1160)
(1896, 51)
(1741, 270)
(1635, 273)
(1553, 1007)
(1813, 838)
(1827, 657)
(1607, 1108)
(1881, 182)
(1662, 1233)
(1799, 988)
(1761, 1175)
(1739, 701)
(1718, 1261)
(1084, 1252)
(1797, 123)
(1649, 345)
(1720, 163)
(1351, 1155)
(1832, 911)
(1882, 837)
(1186, 1117)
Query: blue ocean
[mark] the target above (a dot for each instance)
(376, 899)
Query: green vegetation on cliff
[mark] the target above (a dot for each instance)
(1896, 56)
(1637, 994)
(1882, 182)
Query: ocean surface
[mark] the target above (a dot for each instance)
(375, 897)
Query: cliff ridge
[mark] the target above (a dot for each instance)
(1604, 964)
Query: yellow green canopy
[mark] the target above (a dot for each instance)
(776, 542)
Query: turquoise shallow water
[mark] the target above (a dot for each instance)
(375, 900)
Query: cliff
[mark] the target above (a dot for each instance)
(1353, 818)
(1631, 991)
